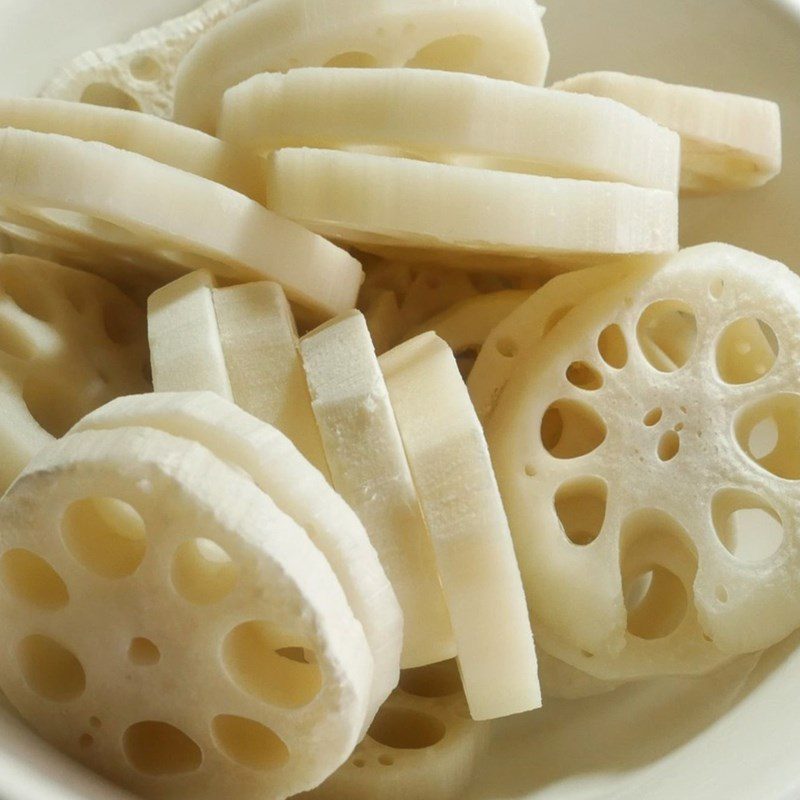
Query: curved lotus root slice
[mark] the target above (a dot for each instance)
(461, 503)
(466, 325)
(298, 490)
(136, 219)
(422, 744)
(69, 342)
(386, 204)
(230, 663)
(632, 483)
(446, 116)
(522, 330)
(499, 39)
(163, 141)
(139, 73)
(728, 141)
(370, 471)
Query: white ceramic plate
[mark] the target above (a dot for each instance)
(730, 736)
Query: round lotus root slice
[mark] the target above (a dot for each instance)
(522, 330)
(299, 490)
(653, 496)
(69, 342)
(465, 326)
(166, 624)
(422, 744)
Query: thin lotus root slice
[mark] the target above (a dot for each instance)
(139, 73)
(466, 325)
(454, 214)
(278, 469)
(139, 221)
(423, 744)
(522, 330)
(652, 495)
(69, 342)
(453, 476)
(728, 141)
(497, 38)
(166, 624)
(163, 141)
(452, 118)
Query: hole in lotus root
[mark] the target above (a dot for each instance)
(667, 334)
(581, 508)
(555, 318)
(669, 445)
(768, 431)
(202, 572)
(612, 347)
(145, 68)
(30, 578)
(385, 761)
(454, 53)
(249, 743)
(50, 669)
(255, 657)
(747, 525)
(143, 652)
(653, 417)
(403, 729)
(656, 603)
(716, 288)
(434, 680)
(507, 348)
(107, 536)
(354, 59)
(106, 94)
(158, 748)
(571, 429)
(746, 351)
(584, 376)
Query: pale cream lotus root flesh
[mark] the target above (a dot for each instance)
(453, 476)
(728, 141)
(136, 220)
(647, 455)
(166, 624)
(139, 73)
(522, 330)
(497, 38)
(422, 744)
(445, 116)
(369, 470)
(278, 469)
(382, 203)
(69, 342)
(465, 326)
(171, 144)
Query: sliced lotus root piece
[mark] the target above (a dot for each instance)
(501, 40)
(369, 470)
(632, 486)
(163, 141)
(728, 141)
(230, 663)
(278, 469)
(385, 204)
(137, 220)
(453, 476)
(466, 325)
(140, 72)
(446, 116)
(69, 342)
(422, 744)
(522, 330)
(562, 681)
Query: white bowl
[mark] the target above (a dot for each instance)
(728, 736)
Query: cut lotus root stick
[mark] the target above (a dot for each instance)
(300, 491)
(134, 219)
(369, 469)
(728, 141)
(422, 744)
(383, 204)
(180, 566)
(163, 141)
(69, 342)
(446, 116)
(139, 73)
(498, 38)
(453, 476)
(650, 487)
